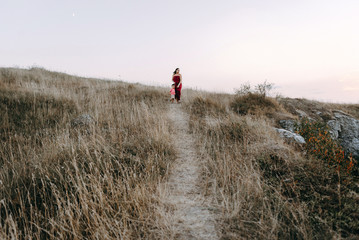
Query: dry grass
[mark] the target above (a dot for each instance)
(268, 189)
(317, 110)
(253, 103)
(100, 181)
(63, 183)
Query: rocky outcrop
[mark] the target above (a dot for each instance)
(342, 127)
(334, 128)
(346, 129)
(287, 124)
(290, 136)
(301, 113)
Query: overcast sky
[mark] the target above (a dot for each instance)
(306, 48)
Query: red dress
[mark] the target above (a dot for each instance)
(176, 79)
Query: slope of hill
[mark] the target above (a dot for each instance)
(86, 158)
(66, 179)
(271, 188)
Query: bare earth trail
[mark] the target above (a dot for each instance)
(188, 214)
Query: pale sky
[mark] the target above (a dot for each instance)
(306, 48)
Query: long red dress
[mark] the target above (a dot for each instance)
(176, 79)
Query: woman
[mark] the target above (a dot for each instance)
(177, 79)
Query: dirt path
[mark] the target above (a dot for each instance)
(188, 214)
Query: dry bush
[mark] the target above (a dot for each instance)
(254, 103)
(267, 188)
(59, 183)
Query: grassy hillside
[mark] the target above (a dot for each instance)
(97, 177)
(269, 188)
(63, 181)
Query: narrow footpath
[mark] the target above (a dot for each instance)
(189, 213)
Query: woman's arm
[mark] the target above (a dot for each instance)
(180, 80)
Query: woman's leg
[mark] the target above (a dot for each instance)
(178, 94)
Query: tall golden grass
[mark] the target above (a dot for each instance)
(59, 182)
(100, 180)
(268, 189)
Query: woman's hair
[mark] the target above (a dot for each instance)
(175, 71)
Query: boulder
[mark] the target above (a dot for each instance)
(290, 136)
(334, 128)
(287, 124)
(345, 128)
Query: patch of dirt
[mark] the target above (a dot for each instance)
(188, 213)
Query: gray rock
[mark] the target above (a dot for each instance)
(345, 128)
(84, 120)
(334, 128)
(290, 136)
(301, 113)
(287, 124)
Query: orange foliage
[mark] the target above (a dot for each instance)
(320, 144)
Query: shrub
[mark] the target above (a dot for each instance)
(327, 185)
(261, 89)
(252, 103)
(320, 144)
(264, 88)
